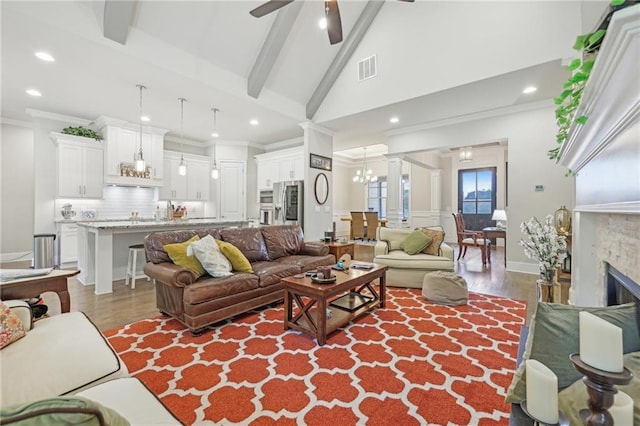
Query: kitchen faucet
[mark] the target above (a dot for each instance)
(169, 210)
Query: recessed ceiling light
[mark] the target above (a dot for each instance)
(529, 89)
(145, 118)
(33, 92)
(215, 135)
(45, 56)
(254, 122)
(322, 23)
(394, 120)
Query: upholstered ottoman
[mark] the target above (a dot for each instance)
(445, 288)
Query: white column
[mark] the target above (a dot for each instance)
(394, 193)
(436, 190)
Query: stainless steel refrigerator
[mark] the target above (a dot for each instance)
(288, 203)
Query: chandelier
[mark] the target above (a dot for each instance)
(365, 175)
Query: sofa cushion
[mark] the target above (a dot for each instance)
(210, 256)
(178, 254)
(154, 243)
(272, 272)
(400, 260)
(77, 355)
(554, 335)
(132, 400)
(437, 235)
(11, 328)
(282, 240)
(415, 242)
(307, 263)
(62, 410)
(237, 259)
(206, 288)
(248, 240)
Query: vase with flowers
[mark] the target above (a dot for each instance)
(542, 243)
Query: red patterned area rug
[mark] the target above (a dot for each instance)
(412, 363)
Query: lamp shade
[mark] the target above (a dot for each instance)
(499, 215)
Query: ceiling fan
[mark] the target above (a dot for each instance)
(331, 12)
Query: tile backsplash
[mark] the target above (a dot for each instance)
(120, 201)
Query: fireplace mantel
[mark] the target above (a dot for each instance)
(611, 98)
(605, 154)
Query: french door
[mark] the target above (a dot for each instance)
(477, 196)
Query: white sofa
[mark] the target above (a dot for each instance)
(407, 270)
(67, 355)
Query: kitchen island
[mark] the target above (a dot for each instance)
(103, 246)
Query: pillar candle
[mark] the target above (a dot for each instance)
(622, 409)
(542, 392)
(600, 343)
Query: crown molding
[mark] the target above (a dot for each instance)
(497, 112)
(18, 123)
(36, 113)
(309, 125)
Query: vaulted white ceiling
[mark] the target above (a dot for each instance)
(205, 51)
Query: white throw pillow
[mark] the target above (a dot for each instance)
(209, 255)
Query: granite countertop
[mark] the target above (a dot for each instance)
(150, 224)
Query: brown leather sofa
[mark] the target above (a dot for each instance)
(275, 252)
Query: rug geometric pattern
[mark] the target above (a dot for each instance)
(412, 363)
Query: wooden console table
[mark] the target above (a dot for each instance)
(339, 249)
(493, 232)
(26, 288)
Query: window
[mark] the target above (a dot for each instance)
(377, 197)
(477, 196)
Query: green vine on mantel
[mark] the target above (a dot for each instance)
(82, 131)
(569, 100)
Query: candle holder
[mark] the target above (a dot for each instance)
(601, 389)
(562, 420)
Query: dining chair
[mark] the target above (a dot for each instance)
(372, 224)
(358, 230)
(469, 238)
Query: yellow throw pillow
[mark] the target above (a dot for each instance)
(438, 237)
(178, 254)
(238, 260)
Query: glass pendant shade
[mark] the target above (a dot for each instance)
(182, 167)
(138, 157)
(215, 173)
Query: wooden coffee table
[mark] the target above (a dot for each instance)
(25, 288)
(351, 296)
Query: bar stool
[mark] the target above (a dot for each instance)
(132, 264)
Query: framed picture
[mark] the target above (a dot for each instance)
(319, 162)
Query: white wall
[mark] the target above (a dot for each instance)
(498, 37)
(530, 135)
(317, 218)
(16, 191)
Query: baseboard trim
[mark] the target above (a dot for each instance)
(523, 267)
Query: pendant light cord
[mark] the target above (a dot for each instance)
(182, 129)
(141, 87)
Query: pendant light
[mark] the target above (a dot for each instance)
(365, 175)
(215, 173)
(138, 157)
(182, 167)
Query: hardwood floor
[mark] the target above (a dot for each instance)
(125, 305)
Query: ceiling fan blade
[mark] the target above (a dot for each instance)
(409, 1)
(268, 7)
(334, 23)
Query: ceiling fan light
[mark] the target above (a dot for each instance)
(322, 23)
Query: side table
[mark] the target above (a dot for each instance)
(339, 249)
(493, 232)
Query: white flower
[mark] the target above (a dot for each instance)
(544, 245)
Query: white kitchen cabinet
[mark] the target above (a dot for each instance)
(174, 186)
(292, 167)
(232, 189)
(68, 240)
(198, 178)
(79, 166)
(279, 166)
(122, 143)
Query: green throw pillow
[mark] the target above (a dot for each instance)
(77, 411)
(415, 242)
(238, 260)
(554, 335)
(178, 254)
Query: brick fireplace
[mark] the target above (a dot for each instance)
(605, 154)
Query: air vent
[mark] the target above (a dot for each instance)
(367, 68)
